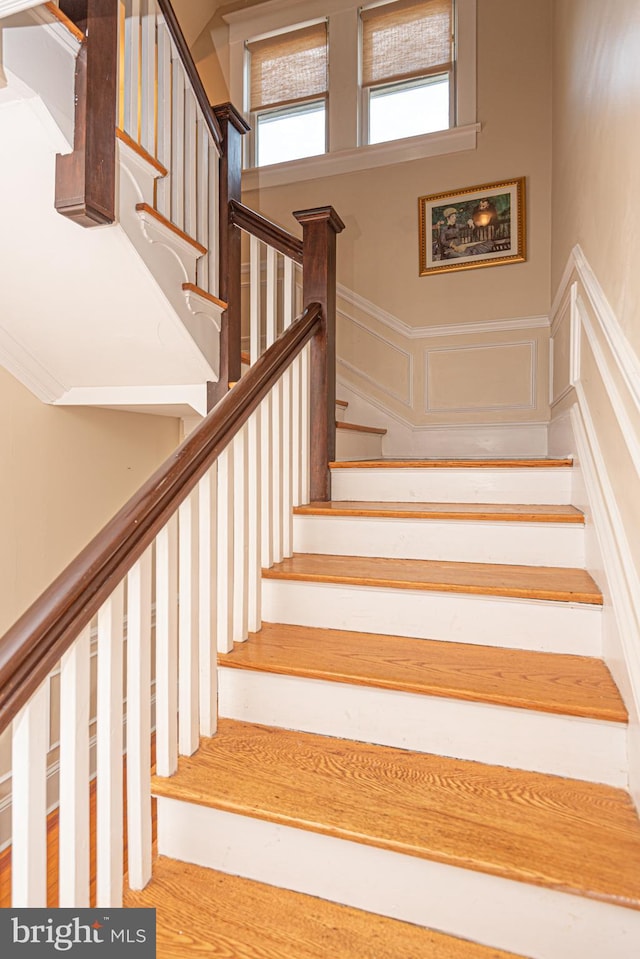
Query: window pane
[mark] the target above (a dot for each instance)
(291, 134)
(407, 110)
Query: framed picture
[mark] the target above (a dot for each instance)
(478, 226)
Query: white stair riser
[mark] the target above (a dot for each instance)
(541, 486)
(451, 617)
(501, 735)
(515, 916)
(535, 544)
(351, 445)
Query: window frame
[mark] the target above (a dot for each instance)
(347, 149)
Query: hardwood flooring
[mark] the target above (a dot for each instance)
(523, 463)
(559, 584)
(480, 512)
(564, 834)
(547, 682)
(240, 919)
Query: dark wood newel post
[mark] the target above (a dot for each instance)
(86, 178)
(233, 127)
(319, 230)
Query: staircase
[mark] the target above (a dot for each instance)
(422, 752)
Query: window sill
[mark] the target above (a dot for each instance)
(454, 140)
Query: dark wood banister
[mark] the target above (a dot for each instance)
(259, 226)
(36, 642)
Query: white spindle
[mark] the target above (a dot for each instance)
(167, 648)
(163, 185)
(208, 692)
(288, 287)
(73, 822)
(276, 410)
(224, 624)
(214, 219)
(148, 105)
(177, 145)
(132, 69)
(254, 509)
(188, 709)
(304, 425)
(109, 737)
(139, 722)
(296, 466)
(190, 164)
(203, 200)
(254, 300)
(29, 802)
(240, 555)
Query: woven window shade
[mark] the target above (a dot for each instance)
(289, 67)
(411, 38)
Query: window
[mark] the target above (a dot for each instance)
(288, 94)
(348, 85)
(407, 68)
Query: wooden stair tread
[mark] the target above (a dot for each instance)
(559, 584)
(356, 427)
(342, 403)
(546, 682)
(523, 463)
(147, 210)
(243, 919)
(564, 834)
(487, 512)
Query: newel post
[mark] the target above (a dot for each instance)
(233, 127)
(86, 178)
(319, 230)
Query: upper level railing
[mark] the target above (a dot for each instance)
(175, 575)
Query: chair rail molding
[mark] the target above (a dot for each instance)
(596, 379)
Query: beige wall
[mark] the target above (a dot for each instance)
(64, 472)
(596, 147)
(378, 252)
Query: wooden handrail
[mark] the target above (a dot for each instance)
(192, 72)
(35, 643)
(259, 226)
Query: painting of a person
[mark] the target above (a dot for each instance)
(484, 215)
(449, 242)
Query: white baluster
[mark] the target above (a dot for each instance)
(305, 429)
(177, 143)
(224, 623)
(207, 516)
(296, 425)
(29, 802)
(73, 822)
(148, 86)
(132, 70)
(139, 722)
(167, 648)
(109, 743)
(276, 410)
(288, 287)
(202, 202)
(255, 346)
(163, 185)
(240, 554)
(188, 709)
(254, 475)
(190, 164)
(214, 220)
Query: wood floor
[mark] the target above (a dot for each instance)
(547, 682)
(480, 512)
(520, 463)
(558, 584)
(562, 834)
(238, 919)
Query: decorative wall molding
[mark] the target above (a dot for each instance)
(405, 398)
(453, 329)
(594, 329)
(502, 407)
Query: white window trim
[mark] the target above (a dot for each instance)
(344, 120)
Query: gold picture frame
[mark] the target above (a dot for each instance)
(474, 227)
